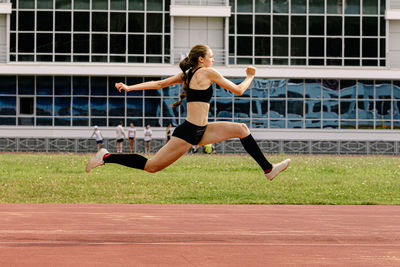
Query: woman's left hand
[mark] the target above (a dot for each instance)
(121, 86)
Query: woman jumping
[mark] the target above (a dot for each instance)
(197, 77)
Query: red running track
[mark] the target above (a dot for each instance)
(198, 235)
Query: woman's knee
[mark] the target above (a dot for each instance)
(152, 168)
(244, 130)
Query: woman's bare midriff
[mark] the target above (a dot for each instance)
(197, 113)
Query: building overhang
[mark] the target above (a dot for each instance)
(5, 8)
(159, 70)
(392, 14)
(199, 11)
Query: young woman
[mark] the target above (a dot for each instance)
(197, 77)
(120, 135)
(131, 138)
(99, 137)
(147, 139)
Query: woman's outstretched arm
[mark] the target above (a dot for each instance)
(237, 89)
(176, 79)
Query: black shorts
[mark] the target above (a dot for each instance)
(120, 140)
(190, 132)
(131, 138)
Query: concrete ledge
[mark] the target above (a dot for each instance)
(5, 8)
(200, 11)
(392, 14)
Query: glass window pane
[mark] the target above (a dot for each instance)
(334, 47)
(63, 4)
(313, 88)
(262, 24)
(81, 4)
(100, 4)
(81, 85)
(353, 7)
(348, 109)
(334, 25)
(280, 46)
(62, 43)
(81, 21)
(370, 6)
(383, 89)
(299, 6)
(63, 21)
(136, 22)
(44, 106)
(44, 42)
(330, 109)
(98, 122)
(244, 46)
(98, 106)
(262, 6)
(295, 109)
(81, 43)
(44, 21)
(134, 107)
(44, 121)
(172, 90)
(316, 47)
(117, 44)
(116, 107)
(260, 88)
(152, 107)
(330, 89)
(99, 22)
(313, 109)
(80, 106)
(295, 88)
(259, 108)
(169, 111)
(348, 89)
(298, 25)
(298, 47)
(280, 6)
(98, 86)
(25, 42)
(111, 86)
(154, 44)
(277, 88)
(80, 122)
(317, 6)
(316, 25)
(44, 85)
(136, 4)
(244, 6)
(62, 106)
(62, 85)
(241, 108)
(352, 47)
(369, 26)
(118, 4)
(224, 107)
(334, 6)
(8, 85)
(8, 105)
(370, 47)
(26, 20)
(155, 5)
(118, 22)
(281, 24)
(352, 26)
(244, 24)
(365, 109)
(26, 4)
(262, 46)
(62, 121)
(313, 124)
(154, 22)
(99, 43)
(277, 108)
(26, 85)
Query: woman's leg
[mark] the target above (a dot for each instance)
(220, 131)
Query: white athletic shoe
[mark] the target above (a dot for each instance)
(277, 168)
(97, 160)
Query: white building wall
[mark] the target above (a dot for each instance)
(394, 41)
(3, 38)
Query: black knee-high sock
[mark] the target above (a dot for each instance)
(254, 150)
(130, 160)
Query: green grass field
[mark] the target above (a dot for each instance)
(217, 179)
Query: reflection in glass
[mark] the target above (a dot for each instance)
(330, 124)
(44, 121)
(152, 107)
(348, 89)
(277, 108)
(259, 123)
(365, 124)
(98, 122)
(241, 108)
(383, 109)
(313, 124)
(98, 106)
(370, 6)
(352, 7)
(80, 106)
(116, 107)
(134, 107)
(383, 125)
(169, 111)
(244, 6)
(277, 124)
(348, 109)
(62, 85)
(347, 124)
(98, 86)
(80, 122)
(277, 88)
(224, 108)
(260, 88)
(313, 88)
(313, 109)
(365, 89)
(330, 109)
(44, 106)
(62, 121)
(365, 109)
(8, 105)
(330, 89)
(8, 85)
(62, 106)
(295, 88)
(80, 85)
(295, 108)
(259, 108)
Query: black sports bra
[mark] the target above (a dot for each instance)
(194, 95)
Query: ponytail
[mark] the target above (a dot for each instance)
(187, 63)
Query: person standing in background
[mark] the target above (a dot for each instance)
(120, 133)
(131, 136)
(99, 137)
(147, 139)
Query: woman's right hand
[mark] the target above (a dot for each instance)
(121, 86)
(251, 71)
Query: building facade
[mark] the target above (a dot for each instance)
(327, 70)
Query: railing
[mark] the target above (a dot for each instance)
(219, 55)
(394, 4)
(201, 2)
